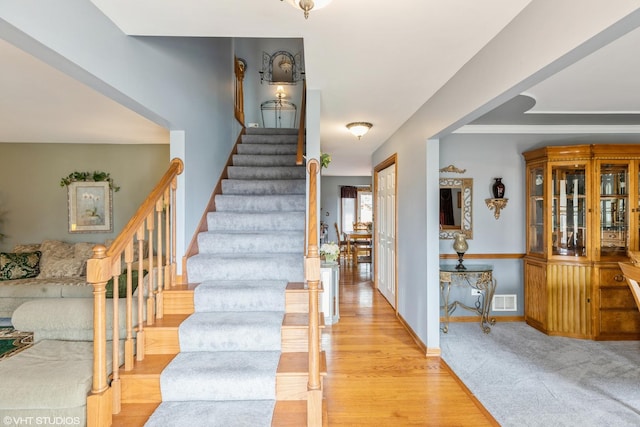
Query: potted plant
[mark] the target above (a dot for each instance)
(330, 251)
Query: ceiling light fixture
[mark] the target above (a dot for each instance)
(307, 5)
(359, 129)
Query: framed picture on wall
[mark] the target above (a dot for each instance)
(89, 207)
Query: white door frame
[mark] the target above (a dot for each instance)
(390, 161)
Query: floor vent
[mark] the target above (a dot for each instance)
(504, 303)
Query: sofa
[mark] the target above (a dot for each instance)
(50, 269)
(48, 383)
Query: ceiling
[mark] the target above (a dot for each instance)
(350, 65)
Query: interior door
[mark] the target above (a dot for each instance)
(385, 230)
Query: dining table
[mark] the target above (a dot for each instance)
(357, 235)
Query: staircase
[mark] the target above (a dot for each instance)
(231, 348)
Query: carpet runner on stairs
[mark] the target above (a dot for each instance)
(230, 347)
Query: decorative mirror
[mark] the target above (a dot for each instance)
(281, 68)
(455, 207)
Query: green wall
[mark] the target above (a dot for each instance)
(33, 206)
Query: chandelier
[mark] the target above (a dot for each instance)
(307, 5)
(285, 64)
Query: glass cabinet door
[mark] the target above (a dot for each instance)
(536, 210)
(568, 210)
(614, 205)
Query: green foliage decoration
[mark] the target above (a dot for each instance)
(95, 176)
(325, 159)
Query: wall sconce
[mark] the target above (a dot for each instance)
(359, 129)
(496, 205)
(280, 93)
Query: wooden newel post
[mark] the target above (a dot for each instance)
(312, 273)
(99, 402)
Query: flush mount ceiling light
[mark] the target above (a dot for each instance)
(359, 129)
(307, 5)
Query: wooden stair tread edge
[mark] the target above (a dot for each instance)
(296, 287)
(153, 364)
(296, 320)
(167, 321)
(297, 363)
(289, 413)
(293, 413)
(133, 414)
(189, 287)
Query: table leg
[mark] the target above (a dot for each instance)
(489, 289)
(445, 290)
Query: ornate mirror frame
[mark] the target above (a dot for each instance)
(465, 185)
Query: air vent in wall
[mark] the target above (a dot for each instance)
(504, 303)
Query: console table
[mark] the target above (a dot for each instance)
(329, 301)
(475, 276)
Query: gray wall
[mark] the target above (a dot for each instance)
(33, 206)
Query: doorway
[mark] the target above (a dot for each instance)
(385, 229)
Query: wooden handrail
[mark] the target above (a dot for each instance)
(312, 276)
(303, 123)
(155, 215)
(239, 68)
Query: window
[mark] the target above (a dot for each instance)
(356, 204)
(365, 206)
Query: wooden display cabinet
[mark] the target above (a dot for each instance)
(583, 214)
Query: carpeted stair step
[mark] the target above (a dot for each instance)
(270, 221)
(215, 242)
(250, 413)
(271, 131)
(267, 149)
(240, 295)
(267, 203)
(258, 160)
(269, 139)
(231, 331)
(287, 267)
(224, 375)
(259, 187)
(266, 172)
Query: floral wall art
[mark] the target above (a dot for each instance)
(89, 207)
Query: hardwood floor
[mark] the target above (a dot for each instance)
(377, 374)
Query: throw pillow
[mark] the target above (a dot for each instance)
(26, 247)
(83, 251)
(56, 248)
(122, 284)
(60, 267)
(19, 265)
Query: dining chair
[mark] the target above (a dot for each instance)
(361, 253)
(342, 242)
(360, 226)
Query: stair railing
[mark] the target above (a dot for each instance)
(303, 123)
(312, 277)
(147, 248)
